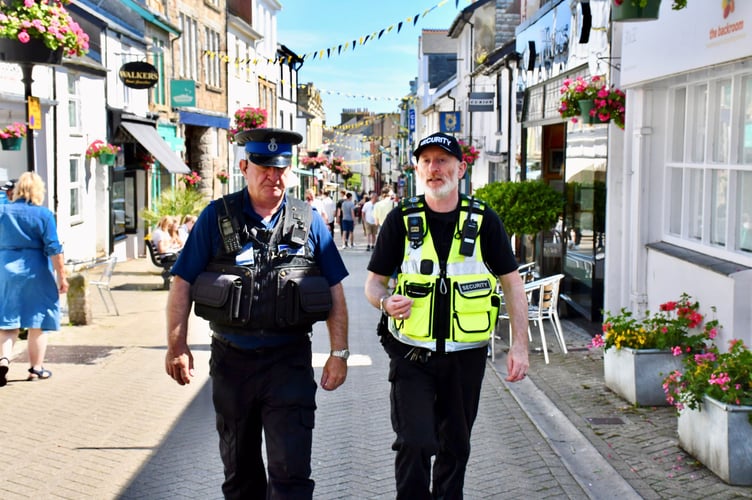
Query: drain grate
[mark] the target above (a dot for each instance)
(605, 420)
(78, 354)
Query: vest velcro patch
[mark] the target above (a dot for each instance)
(474, 286)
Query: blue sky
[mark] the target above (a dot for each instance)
(377, 70)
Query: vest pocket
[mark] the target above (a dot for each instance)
(476, 308)
(420, 322)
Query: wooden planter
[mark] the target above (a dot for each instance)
(35, 52)
(637, 374)
(628, 12)
(719, 436)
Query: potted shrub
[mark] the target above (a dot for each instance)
(245, 119)
(103, 151)
(12, 136)
(639, 353)
(39, 31)
(526, 208)
(713, 394)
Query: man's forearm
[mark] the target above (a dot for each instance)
(178, 310)
(337, 320)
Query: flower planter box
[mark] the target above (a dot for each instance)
(637, 374)
(627, 12)
(719, 436)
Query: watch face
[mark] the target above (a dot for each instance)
(344, 354)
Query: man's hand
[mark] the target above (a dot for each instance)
(179, 364)
(335, 373)
(517, 362)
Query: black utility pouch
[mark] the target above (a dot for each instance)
(303, 297)
(223, 296)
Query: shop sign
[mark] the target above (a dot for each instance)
(481, 101)
(182, 93)
(138, 75)
(449, 121)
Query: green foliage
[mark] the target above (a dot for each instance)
(178, 202)
(524, 207)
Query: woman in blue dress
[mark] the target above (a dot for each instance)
(29, 294)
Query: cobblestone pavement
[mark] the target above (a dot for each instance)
(111, 424)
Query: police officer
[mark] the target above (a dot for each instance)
(449, 251)
(262, 377)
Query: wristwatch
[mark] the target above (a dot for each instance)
(343, 353)
(381, 304)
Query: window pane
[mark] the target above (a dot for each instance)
(719, 196)
(722, 129)
(675, 210)
(694, 205)
(744, 195)
(699, 123)
(75, 187)
(745, 155)
(677, 142)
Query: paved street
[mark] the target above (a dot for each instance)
(111, 424)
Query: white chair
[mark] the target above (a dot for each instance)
(103, 283)
(541, 306)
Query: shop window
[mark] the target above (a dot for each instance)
(709, 180)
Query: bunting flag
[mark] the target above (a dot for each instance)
(337, 49)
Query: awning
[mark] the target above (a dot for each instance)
(204, 119)
(148, 137)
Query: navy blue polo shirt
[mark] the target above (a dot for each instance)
(205, 242)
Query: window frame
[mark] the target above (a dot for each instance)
(705, 163)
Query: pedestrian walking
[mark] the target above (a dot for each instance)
(348, 221)
(369, 220)
(330, 210)
(262, 268)
(449, 250)
(31, 256)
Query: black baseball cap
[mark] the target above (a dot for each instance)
(9, 185)
(269, 147)
(444, 141)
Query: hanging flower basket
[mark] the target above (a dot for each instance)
(223, 177)
(104, 152)
(602, 103)
(12, 136)
(12, 143)
(634, 10)
(107, 158)
(40, 31)
(246, 119)
(314, 162)
(469, 153)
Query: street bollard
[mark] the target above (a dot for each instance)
(79, 305)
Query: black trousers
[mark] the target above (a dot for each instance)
(271, 390)
(434, 404)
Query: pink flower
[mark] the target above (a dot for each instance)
(24, 37)
(676, 351)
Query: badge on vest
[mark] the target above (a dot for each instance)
(475, 286)
(245, 256)
(290, 250)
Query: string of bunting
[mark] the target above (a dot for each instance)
(336, 49)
